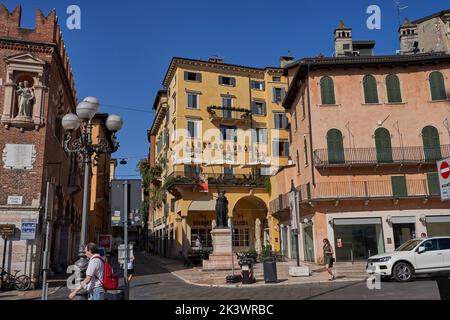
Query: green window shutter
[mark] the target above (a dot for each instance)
(399, 188)
(370, 89)
(393, 88)
(335, 147)
(433, 184)
(437, 86)
(431, 144)
(383, 145)
(327, 90)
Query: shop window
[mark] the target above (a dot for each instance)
(241, 237)
(205, 237)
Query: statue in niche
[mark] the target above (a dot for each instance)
(25, 97)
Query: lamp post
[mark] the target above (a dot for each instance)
(84, 147)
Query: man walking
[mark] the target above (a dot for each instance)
(94, 275)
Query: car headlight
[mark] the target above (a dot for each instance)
(385, 259)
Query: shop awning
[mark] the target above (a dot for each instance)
(399, 220)
(203, 205)
(361, 221)
(437, 219)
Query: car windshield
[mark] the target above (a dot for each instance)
(408, 246)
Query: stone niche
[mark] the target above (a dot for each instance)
(24, 92)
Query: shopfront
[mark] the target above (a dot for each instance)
(358, 238)
(404, 229)
(438, 226)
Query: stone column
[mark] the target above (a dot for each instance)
(184, 236)
(283, 245)
(258, 245)
(289, 242)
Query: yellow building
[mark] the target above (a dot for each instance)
(218, 127)
(103, 167)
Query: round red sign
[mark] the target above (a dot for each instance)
(445, 170)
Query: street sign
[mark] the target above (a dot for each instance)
(7, 230)
(15, 200)
(105, 241)
(28, 229)
(444, 178)
(122, 253)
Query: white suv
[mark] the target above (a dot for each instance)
(418, 256)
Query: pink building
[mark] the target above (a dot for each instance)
(366, 134)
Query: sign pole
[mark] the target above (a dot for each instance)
(46, 250)
(125, 239)
(4, 255)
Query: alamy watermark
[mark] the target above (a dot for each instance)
(374, 20)
(73, 21)
(74, 280)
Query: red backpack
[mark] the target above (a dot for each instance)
(110, 280)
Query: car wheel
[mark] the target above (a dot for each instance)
(403, 272)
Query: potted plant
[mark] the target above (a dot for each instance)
(269, 265)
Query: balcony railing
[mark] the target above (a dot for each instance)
(365, 190)
(232, 180)
(370, 156)
(279, 204)
(228, 115)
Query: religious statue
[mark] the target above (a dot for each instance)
(25, 96)
(222, 211)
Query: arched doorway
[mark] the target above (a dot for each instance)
(249, 221)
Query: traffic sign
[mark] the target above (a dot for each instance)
(122, 253)
(28, 229)
(105, 241)
(7, 230)
(444, 178)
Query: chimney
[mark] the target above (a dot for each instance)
(409, 38)
(215, 60)
(343, 42)
(285, 60)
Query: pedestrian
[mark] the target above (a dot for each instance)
(131, 268)
(328, 257)
(198, 244)
(94, 275)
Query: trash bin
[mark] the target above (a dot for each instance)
(270, 270)
(247, 271)
(443, 280)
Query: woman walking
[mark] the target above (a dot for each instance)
(328, 257)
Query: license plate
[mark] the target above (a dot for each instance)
(245, 268)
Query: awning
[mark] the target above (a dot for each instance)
(361, 221)
(399, 220)
(203, 205)
(437, 219)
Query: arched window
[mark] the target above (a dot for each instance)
(431, 144)
(383, 145)
(335, 147)
(437, 86)
(327, 90)
(370, 89)
(393, 88)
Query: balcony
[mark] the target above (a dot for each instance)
(223, 180)
(229, 116)
(366, 190)
(280, 204)
(369, 156)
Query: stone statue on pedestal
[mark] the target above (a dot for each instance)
(222, 211)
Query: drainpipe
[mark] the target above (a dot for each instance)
(313, 178)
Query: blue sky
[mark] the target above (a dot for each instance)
(123, 49)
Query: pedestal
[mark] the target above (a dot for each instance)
(299, 271)
(222, 256)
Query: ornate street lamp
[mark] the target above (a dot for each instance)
(84, 147)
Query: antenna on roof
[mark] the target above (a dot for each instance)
(399, 7)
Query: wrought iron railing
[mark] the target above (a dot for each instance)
(186, 178)
(229, 113)
(366, 156)
(279, 204)
(365, 190)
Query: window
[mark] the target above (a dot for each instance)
(259, 136)
(399, 189)
(303, 107)
(228, 171)
(280, 148)
(383, 145)
(430, 245)
(259, 108)
(263, 172)
(280, 120)
(257, 85)
(431, 144)
(205, 237)
(167, 117)
(346, 46)
(327, 91)
(227, 103)
(278, 95)
(437, 86)
(305, 150)
(295, 120)
(174, 132)
(192, 100)
(241, 237)
(228, 133)
(193, 128)
(298, 162)
(174, 97)
(370, 89)
(335, 147)
(393, 89)
(172, 205)
(444, 244)
(192, 76)
(433, 184)
(276, 79)
(190, 171)
(227, 81)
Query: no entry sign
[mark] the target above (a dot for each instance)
(444, 178)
